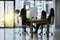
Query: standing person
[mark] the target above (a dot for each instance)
(51, 18)
(43, 16)
(51, 15)
(23, 16)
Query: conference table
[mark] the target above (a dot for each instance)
(38, 21)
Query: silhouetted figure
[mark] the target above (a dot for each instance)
(51, 15)
(43, 16)
(23, 16)
(51, 18)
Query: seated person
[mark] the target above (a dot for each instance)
(43, 16)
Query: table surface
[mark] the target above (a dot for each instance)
(38, 20)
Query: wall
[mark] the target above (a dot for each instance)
(57, 13)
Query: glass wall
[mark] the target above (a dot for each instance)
(49, 5)
(9, 11)
(9, 33)
(9, 14)
(6, 17)
(1, 13)
(40, 5)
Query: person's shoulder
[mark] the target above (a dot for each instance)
(21, 9)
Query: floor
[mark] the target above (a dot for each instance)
(18, 34)
(57, 34)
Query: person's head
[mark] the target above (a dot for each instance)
(43, 14)
(52, 11)
(24, 6)
(17, 11)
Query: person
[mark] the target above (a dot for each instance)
(23, 16)
(49, 19)
(51, 15)
(17, 15)
(43, 16)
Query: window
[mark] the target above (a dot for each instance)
(1, 13)
(9, 14)
(49, 5)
